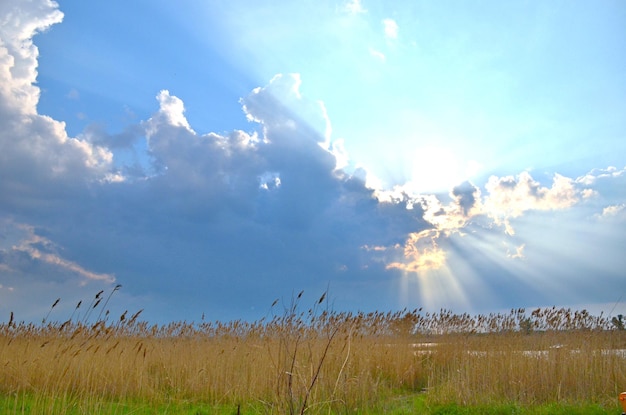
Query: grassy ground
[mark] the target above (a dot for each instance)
(401, 405)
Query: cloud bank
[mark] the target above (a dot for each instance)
(222, 223)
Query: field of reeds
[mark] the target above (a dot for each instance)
(305, 359)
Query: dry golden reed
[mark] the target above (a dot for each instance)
(316, 360)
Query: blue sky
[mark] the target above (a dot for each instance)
(213, 156)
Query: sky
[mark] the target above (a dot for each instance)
(211, 157)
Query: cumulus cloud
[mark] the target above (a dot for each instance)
(420, 252)
(511, 196)
(613, 213)
(355, 7)
(506, 198)
(35, 149)
(171, 112)
(42, 169)
(280, 106)
(421, 249)
(18, 54)
(390, 28)
(613, 210)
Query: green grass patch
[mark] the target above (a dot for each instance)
(28, 403)
(418, 404)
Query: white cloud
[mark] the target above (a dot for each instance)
(171, 112)
(43, 172)
(269, 180)
(390, 28)
(35, 148)
(598, 174)
(354, 7)
(25, 242)
(588, 193)
(338, 150)
(377, 54)
(613, 212)
(507, 198)
(519, 252)
(420, 253)
(280, 105)
(511, 196)
(50, 256)
(18, 55)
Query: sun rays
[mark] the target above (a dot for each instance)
(482, 244)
